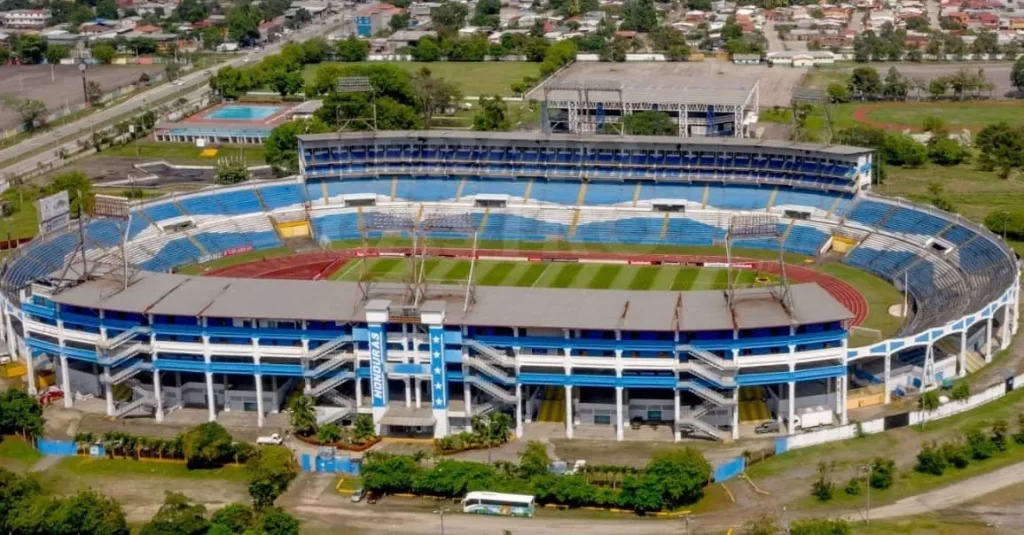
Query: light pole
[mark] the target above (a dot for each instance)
(85, 92)
(441, 512)
(867, 512)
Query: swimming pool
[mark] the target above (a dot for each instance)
(242, 112)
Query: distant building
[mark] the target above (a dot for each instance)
(26, 18)
(374, 18)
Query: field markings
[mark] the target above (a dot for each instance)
(566, 276)
(533, 275)
(663, 279)
(342, 274)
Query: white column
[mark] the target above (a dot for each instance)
(260, 418)
(961, 362)
(791, 390)
(619, 431)
(359, 392)
(30, 365)
(1005, 337)
(568, 412)
(210, 400)
(675, 411)
(12, 348)
(886, 377)
(408, 392)
(988, 340)
(845, 387)
(467, 397)
(528, 417)
(108, 391)
(418, 384)
(227, 407)
(273, 396)
(158, 393)
(736, 417)
(519, 410)
(65, 382)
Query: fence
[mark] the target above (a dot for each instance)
(730, 469)
(878, 425)
(335, 465)
(60, 448)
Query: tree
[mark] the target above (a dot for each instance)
(486, 13)
(20, 413)
(286, 83)
(449, 17)
(32, 48)
(79, 189)
(269, 474)
(364, 430)
(426, 49)
(1000, 431)
(763, 524)
(353, 49)
(106, 9)
(938, 197)
(650, 123)
(274, 521)
(385, 473)
(946, 151)
(104, 52)
(823, 488)
(679, 477)
(55, 53)
(639, 15)
(211, 36)
(865, 82)
(192, 11)
(493, 115)
(399, 22)
(838, 93)
(243, 22)
(980, 445)
(206, 445)
(1017, 75)
(1007, 223)
(303, 413)
(177, 516)
(895, 86)
(928, 402)
(94, 93)
(534, 460)
(236, 518)
(15, 492)
(1001, 147)
(961, 391)
(232, 171)
(434, 95)
(938, 87)
(861, 136)
(281, 152)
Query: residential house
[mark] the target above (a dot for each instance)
(26, 18)
(374, 18)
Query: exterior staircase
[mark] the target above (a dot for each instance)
(126, 373)
(328, 384)
(494, 390)
(706, 393)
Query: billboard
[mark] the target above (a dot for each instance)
(54, 212)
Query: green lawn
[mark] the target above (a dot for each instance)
(552, 274)
(234, 260)
(474, 79)
(185, 153)
(87, 466)
(17, 454)
(879, 294)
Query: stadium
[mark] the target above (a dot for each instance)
(429, 277)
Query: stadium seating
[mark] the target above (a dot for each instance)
(911, 221)
(738, 197)
(242, 201)
(426, 189)
(281, 196)
(162, 211)
(556, 192)
(667, 191)
(869, 213)
(805, 240)
(609, 193)
(174, 253)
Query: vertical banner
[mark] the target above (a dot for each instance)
(438, 373)
(378, 357)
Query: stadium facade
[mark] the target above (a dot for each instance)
(429, 362)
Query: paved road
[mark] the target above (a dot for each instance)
(955, 494)
(49, 139)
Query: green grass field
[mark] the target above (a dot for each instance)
(553, 274)
(184, 153)
(474, 79)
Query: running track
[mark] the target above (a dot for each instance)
(320, 265)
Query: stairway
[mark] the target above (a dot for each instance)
(664, 226)
(575, 222)
(707, 356)
(493, 354)
(693, 421)
(492, 389)
(330, 383)
(489, 370)
(126, 373)
(123, 353)
(706, 393)
(483, 221)
(552, 406)
(709, 375)
(198, 245)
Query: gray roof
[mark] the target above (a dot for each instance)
(221, 297)
(575, 140)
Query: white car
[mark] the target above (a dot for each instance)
(274, 439)
(178, 82)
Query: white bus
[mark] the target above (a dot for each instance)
(496, 503)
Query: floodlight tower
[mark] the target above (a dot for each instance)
(757, 227)
(357, 85)
(814, 97)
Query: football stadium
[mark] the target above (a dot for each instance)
(601, 282)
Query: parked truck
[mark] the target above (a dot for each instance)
(812, 417)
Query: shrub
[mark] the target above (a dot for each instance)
(930, 460)
(820, 526)
(956, 454)
(207, 445)
(328, 434)
(980, 445)
(882, 471)
(1018, 437)
(1000, 429)
(852, 487)
(961, 391)
(823, 488)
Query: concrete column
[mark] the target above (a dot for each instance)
(529, 406)
(408, 392)
(568, 412)
(988, 340)
(1005, 337)
(419, 388)
(886, 377)
(519, 411)
(676, 435)
(158, 393)
(791, 390)
(619, 431)
(273, 395)
(359, 392)
(12, 348)
(224, 379)
(842, 408)
(211, 402)
(30, 365)
(108, 391)
(260, 418)
(961, 361)
(467, 397)
(65, 382)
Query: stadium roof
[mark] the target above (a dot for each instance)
(181, 295)
(575, 140)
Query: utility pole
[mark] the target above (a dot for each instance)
(441, 512)
(867, 512)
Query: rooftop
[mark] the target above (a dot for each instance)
(180, 295)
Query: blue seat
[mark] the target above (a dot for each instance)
(283, 195)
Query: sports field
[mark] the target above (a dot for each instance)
(521, 274)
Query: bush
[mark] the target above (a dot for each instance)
(1008, 223)
(270, 472)
(852, 487)
(1000, 429)
(902, 150)
(930, 460)
(207, 446)
(961, 391)
(822, 488)
(956, 454)
(980, 445)
(946, 151)
(1018, 437)
(820, 526)
(882, 471)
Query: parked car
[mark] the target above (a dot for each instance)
(371, 499)
(771, 426)
(358, 495)
(274, 439)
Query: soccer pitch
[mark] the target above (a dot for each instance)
(553, 274)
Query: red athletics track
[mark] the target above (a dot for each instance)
(320, 265)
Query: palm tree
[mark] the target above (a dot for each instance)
(303, 416)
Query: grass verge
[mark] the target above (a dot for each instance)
(16, 453)
(89, 467)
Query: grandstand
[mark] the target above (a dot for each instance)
(677, 357)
